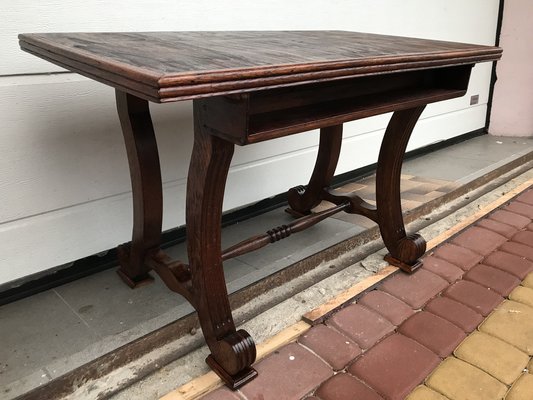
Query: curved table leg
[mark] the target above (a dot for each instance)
(145, 173)
(404, 249)
(232, 351)
(303, 199)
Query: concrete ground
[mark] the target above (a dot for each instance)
(52, 333)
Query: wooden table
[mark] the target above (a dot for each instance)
(249, 87)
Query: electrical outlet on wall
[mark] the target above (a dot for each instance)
(474, 99)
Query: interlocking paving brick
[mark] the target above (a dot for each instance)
(396, 311)
(530, 366)
(415, 289)
(459, 380)
(424, 393)
(336, 349)
(522, 389)
(510, 218)
(493, 278)
(346, 387)
(530, 227)
(395, 366)
(528, 281)
(494, 356)
(364, 326)
(458, 314)
(526, 197)
(436, 333)
(518, 249)
(511, 322)
(522, 295)
(289, 373)
(478, 298)
(503, 229)
(480, 240)
(222, 393)
(442, 268)
(516, 265)
(524, 237)
(457, 255)
(520, 208)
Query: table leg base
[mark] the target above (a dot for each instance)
(232, 381)
(403, 266)
(294, 213)
(134, 284)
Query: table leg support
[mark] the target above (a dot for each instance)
(232, 351)
(145, 173)
(404, 249)
(302, 199)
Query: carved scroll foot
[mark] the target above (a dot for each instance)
(232, 351)
(404, 249)
(236, 353)
(407, 253)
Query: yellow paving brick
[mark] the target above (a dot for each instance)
(459, 380)
(494, 356)
(522, 389)
(511, 322)
(530, 366)
(523, 295)
(528, 282)
(424, 393)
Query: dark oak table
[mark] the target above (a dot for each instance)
(249, 87)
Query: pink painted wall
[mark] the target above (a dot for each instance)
(512, 107)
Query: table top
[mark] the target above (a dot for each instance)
(171, 66)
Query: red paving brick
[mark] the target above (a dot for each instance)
(458, 314)
(518, 249)
(395, 366)
(530, 227)
(457, 255)
(364, 326)
(493, 278)
(524, 237)
(334, 348)
(415, 289)
(346, 387)
(289, 373)
(480, 240)
(510, 218)
(520, 208)
(478, 298)
(526, 197)
(442, 268)
(433, 332)
(515, 265)
(396, 311)
(503, 229)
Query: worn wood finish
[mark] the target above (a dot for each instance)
(302, 199)
(145, 173)
(404, 249)
(185, 65)
(281, 232)
(250, 87)
(264, 115)
(232, 351)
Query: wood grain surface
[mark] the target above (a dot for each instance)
(170, 66)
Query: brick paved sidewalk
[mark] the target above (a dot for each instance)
(459, 328)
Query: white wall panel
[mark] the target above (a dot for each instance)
(64, 183)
